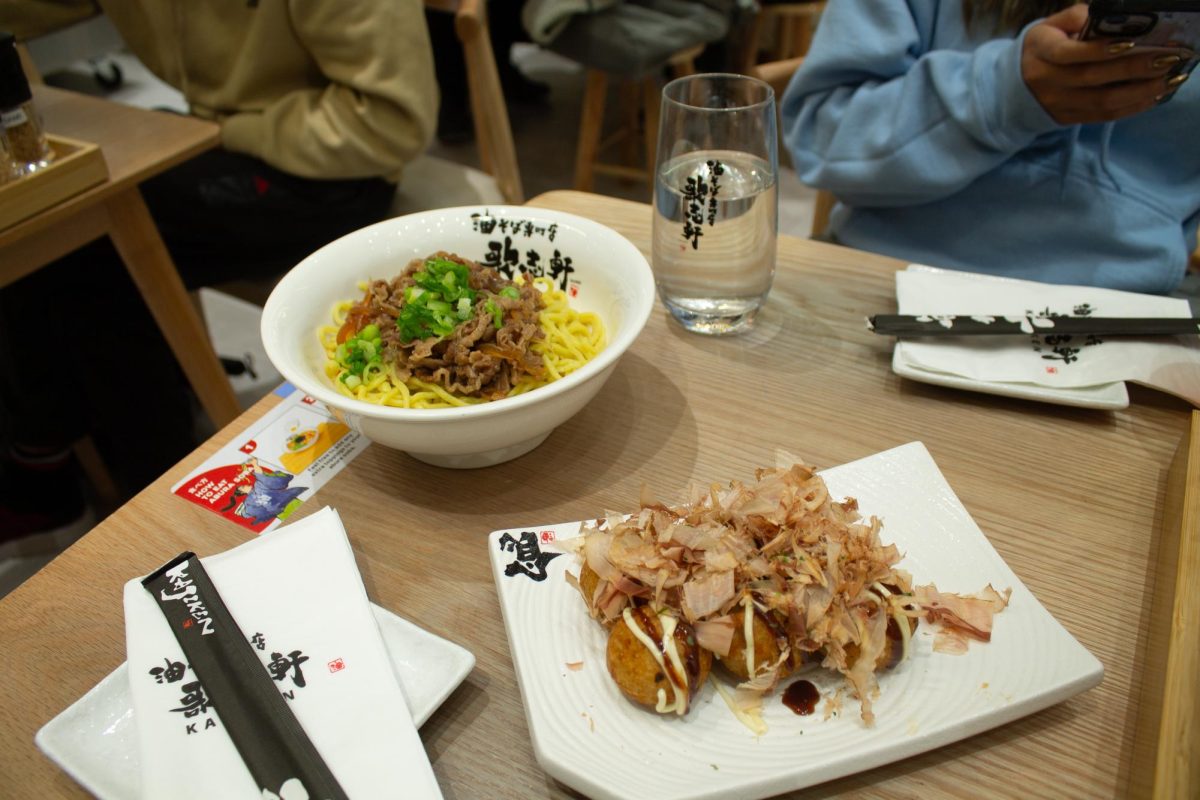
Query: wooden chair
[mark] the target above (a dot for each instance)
(634, 44)
(638, 94)
(777, 74)
(493, 131)
(789, 27)
(821, 211)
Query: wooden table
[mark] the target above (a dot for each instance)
(137, 144)
(1076, 502)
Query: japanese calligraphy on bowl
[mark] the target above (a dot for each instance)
(600, 271)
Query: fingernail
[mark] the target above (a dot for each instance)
(1165, 61)
(1120, 47)
(1178, 79)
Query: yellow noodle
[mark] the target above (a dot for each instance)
(572, 338)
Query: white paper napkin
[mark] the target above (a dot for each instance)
(1170, 364)
(297, 595)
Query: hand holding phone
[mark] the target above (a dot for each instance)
(1078, 80)
(1169, 25)
(1146, 23)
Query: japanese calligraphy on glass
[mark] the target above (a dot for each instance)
(716, 206)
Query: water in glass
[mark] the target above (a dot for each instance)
(715, 223)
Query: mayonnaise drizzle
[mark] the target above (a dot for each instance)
(748, 633)
(680, 703)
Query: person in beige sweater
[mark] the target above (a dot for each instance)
(316, 88)
(321, 104)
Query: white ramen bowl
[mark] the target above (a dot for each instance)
(601, 271)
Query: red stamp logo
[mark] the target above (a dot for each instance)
(337, 665)
(187, 623)
(546, 536)
(1051, 370)
(249, 447)
(308, 400)
(574, 291)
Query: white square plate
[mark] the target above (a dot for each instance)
(587, 735)
(95, 739)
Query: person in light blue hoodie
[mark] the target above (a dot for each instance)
(983, 135)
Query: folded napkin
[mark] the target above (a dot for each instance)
(297, 596)
(1171, 364)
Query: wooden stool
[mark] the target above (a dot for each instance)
(638, 94)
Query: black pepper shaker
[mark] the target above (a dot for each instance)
(26, 140)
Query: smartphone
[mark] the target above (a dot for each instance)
(1172, 24)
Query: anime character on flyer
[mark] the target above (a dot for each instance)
(266, 496)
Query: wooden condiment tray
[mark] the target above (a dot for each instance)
(76, 166)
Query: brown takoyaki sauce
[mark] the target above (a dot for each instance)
(801, 697)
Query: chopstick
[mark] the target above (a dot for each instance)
(981, 325)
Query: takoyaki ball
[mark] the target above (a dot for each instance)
(766, 648)
(636, 671)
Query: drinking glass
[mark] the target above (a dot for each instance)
(716, 202)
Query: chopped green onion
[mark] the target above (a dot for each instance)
(496, 311)
(441, 300)
(360, 351)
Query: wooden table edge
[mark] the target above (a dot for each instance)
(1172, 698)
